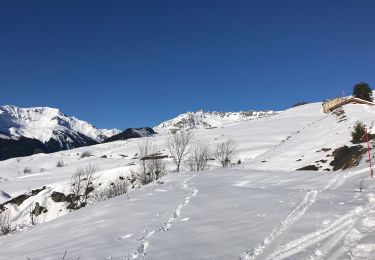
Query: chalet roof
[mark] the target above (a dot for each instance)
(351, 100)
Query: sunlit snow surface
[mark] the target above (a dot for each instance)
(260, 209)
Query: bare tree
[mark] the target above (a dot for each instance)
(361, 184)
(5, 226)
(30, 212)
(198, 158)
(178, 146)
(60, 164)
(226, 152)
(82, 185)
(151, 165)
(144, 150)
(150, 170)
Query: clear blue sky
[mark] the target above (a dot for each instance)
(137, 63)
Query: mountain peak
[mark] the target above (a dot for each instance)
(45, 128)
(209, 119)
(43, 122)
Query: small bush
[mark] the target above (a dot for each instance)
(361, 184)
(300, 103)
(27, 170)
(150, 170)
(82, 186)
(359, 133)
(60, 164)
(115, 188)
(198, 158)
(5, 227)
(86, 154)
(226, 152)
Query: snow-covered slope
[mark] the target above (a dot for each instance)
(259, 209)
(25, 131)
(202, 119)
(44, 123)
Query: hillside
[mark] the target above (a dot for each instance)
(260, 209)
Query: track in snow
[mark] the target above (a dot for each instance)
(335, 231)
(140, 252)
(293, 217)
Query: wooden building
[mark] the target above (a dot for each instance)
(330, 105)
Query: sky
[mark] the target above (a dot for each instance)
(120, 64)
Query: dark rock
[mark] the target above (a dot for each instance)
(18, 200)
(154, 157)
(39, 209)
(89, 190)
(58, 196)
(308, 168)
(347, 157)
(36, 191)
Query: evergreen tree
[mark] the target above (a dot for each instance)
(363, 91)
(359, 133)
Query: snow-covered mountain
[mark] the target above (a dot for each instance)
(209, 119)
(49, 126)
(44, 123)
(131, 133)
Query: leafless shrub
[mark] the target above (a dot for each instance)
(82, 185)
(226, 152)
(119, 187)
(154, 169)
(5, 226)
(144, 149)
(27, 170)
(86, 154)
(178, 146)
(198, 158)
(113, 189)
(361, 184)
(149, 172)
(150, 168)
(30, 213)
(60, 164)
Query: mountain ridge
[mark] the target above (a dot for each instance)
(209, 119)
(26, 131)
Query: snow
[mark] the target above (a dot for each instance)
(42, 122)
(4, 196)
(202, 119)
(205, 215)
(259, 209)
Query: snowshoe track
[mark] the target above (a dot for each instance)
(140, 252)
